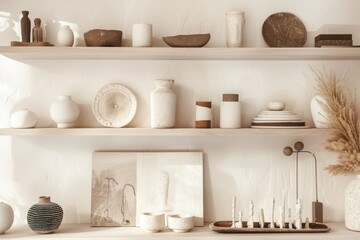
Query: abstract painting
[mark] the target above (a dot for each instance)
(113, 195)
(126, 184)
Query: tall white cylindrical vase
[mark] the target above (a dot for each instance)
(234, 23)
(352, 206)
(65, 37)
(230, 111)
(163, 104)
(65, 112)
(6, 217)
(319, 116)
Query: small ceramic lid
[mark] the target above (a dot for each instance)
(203, 104)
(228, 97)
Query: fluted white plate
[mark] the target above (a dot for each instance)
(114, 105)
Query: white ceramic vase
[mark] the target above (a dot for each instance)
(6, 217)
(163, 104)
(352, 206)
(23, 119)
(65, 112)
(65, 37)
(319, 116)
(235, 22)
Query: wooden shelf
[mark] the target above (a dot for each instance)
(83, 231)
(167, 53)
(161, 132)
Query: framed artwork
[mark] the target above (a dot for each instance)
(113, 193)
(126, 184)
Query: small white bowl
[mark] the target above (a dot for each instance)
(152, 222)
(180, 223)
(276, 106)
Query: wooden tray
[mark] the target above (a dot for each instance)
(30, 44)
(225, 227)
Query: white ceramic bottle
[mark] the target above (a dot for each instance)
(6, 217)
(65, 37)
(230, 111)
(163, 104)
(64, 112)
(23, 119)
(234, 22)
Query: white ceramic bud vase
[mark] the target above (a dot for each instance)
(6, 217)
(319, 116)
(65, 37)
(352, 206)
(65, 112)
(23, 119)
(163, 104)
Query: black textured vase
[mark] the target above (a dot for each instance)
(45, 216)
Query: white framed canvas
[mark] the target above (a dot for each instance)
(113, 194)
(170, 182)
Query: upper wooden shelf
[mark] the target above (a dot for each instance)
(167, 53)
(161, 132)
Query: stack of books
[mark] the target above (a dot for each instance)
(334, 40)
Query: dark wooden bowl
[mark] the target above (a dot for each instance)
(103, 38)
(194, 40)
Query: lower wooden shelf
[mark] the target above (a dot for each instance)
(83, 231)
(160, 132)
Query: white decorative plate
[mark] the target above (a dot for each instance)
(276, 119)
(277, 112)
(114, 105)
(279, 127)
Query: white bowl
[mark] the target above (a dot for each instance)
(180, 222)
(152, 222)
(276, 106)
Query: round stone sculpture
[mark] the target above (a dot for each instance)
(45, 216)
(23, 119)
(6, 217)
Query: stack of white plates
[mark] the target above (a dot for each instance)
(277, 119)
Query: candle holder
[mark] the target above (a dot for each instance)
(317, 207)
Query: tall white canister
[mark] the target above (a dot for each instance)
(163, 104)
(230, 111)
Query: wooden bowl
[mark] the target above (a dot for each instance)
(103, 38)
(194, 40)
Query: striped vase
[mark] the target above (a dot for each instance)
(45, 216)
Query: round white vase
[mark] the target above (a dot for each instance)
(6, 217)
(65, 37)
(23, 119)
(319, 116)
(163, 104)
(352, 206)
(65, 112)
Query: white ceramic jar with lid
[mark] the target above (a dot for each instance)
(230, 111)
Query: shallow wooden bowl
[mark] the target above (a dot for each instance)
(103, 38)
(194, 40)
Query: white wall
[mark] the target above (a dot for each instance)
(253, 168)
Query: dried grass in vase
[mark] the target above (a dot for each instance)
(343, 120)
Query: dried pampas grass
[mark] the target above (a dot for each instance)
(343, 117)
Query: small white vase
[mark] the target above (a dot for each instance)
(163, 104)
(6, 217)
(235, 22)
(23, 119)
(319, 116)
(65, 37)
(65, 112)
(352, 206)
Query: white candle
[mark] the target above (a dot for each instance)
(142, 35)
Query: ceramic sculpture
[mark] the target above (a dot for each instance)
(23, 119)
(25, 27)
(250, 222)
